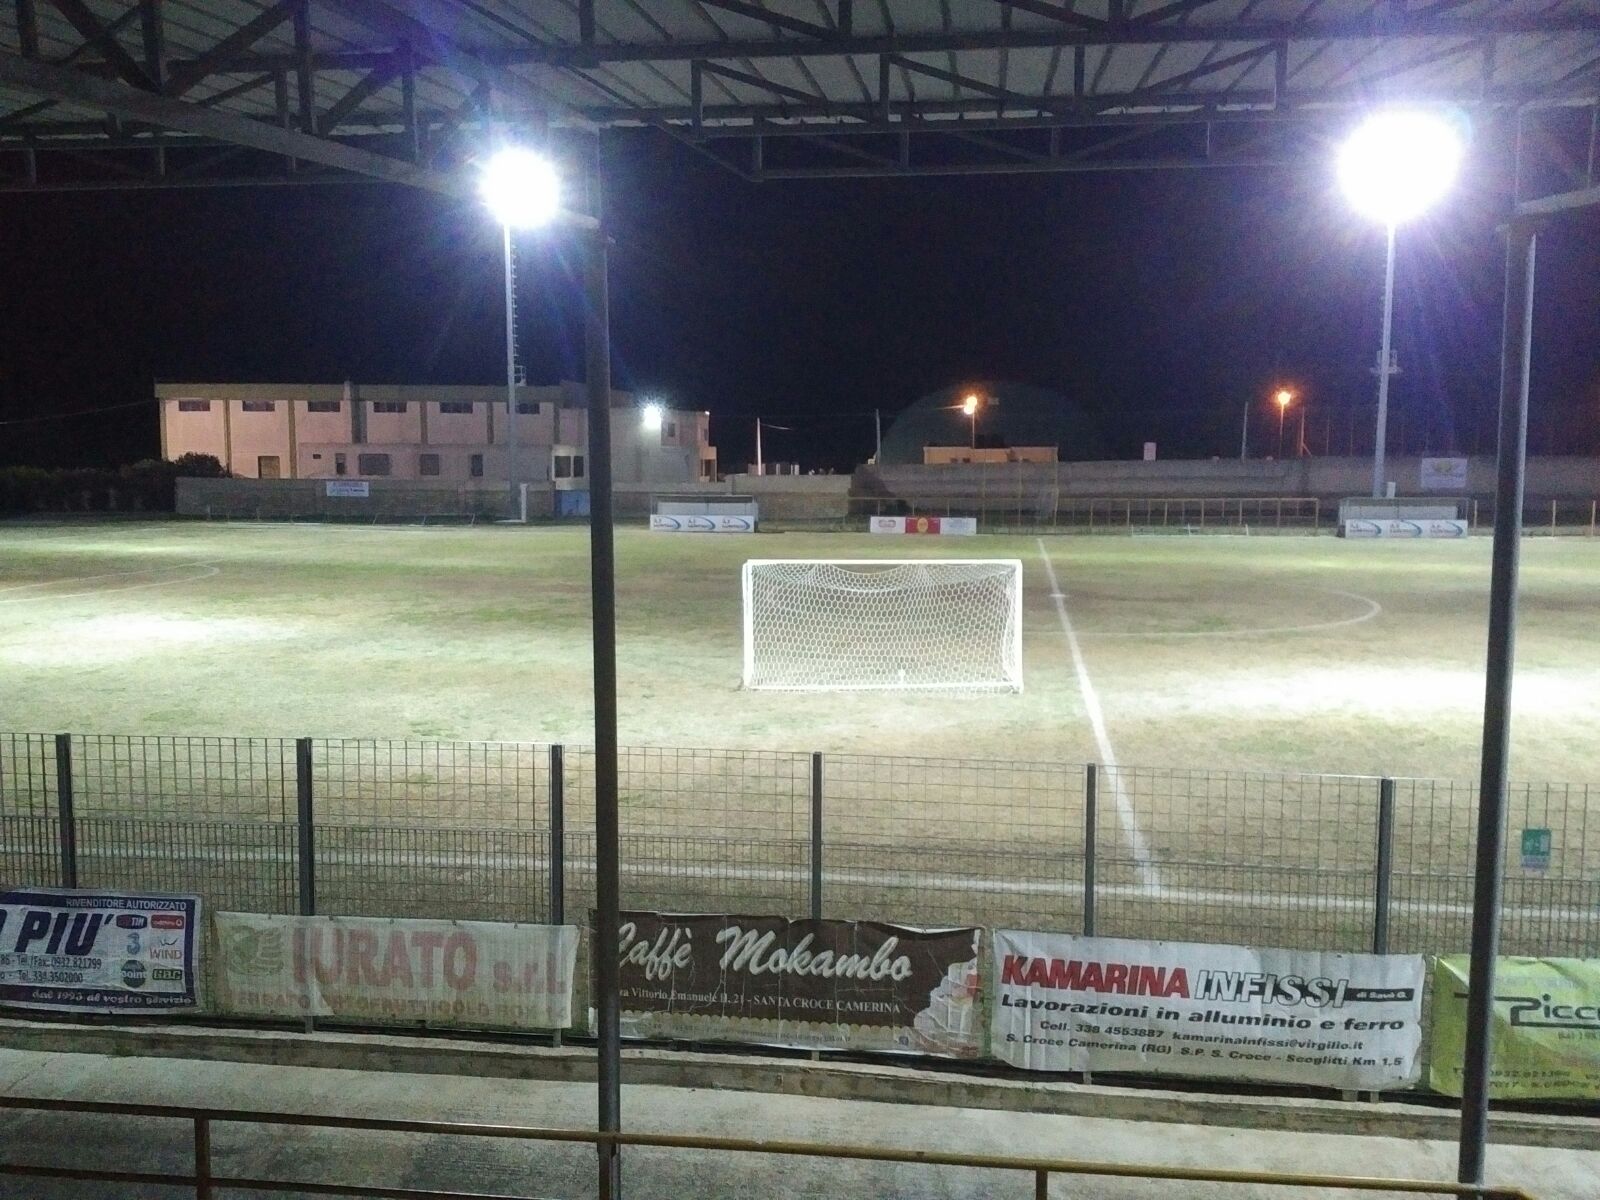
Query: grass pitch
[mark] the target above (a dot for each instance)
(1298, 654)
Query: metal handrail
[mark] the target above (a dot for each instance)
(204, 1181)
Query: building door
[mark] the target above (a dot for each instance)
(267, 467)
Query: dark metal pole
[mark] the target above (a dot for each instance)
(558, 845)
(306, 851)
(816, 836)
(1516, 344)
(68, 825)
(602, 560)
(1385, 867)
(1091, 787)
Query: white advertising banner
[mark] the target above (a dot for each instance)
(354, 488)
(958, 526)
(660, 523)
(1443, 475)
(373, 968)
(1421, 528)
(1067, 1003)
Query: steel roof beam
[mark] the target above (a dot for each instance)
(75, 87)
(185, 75)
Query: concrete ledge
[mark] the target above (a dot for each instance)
(794, 1077)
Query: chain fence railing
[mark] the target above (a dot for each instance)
(505, 832)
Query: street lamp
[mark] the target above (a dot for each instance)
(651, 415)
(1394, 167)
(523, 191)
(1283, 397)
(970, 407)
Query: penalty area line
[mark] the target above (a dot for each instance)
(1149, 879)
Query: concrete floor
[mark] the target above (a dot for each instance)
(552, 1170)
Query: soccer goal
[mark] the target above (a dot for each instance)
(838, 625)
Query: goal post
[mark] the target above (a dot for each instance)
(836, 625)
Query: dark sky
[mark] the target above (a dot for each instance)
(1162, 302)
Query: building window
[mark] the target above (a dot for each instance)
(323, 406)
(339, 464)
(669, 432)
(455, 406)
(528, 408)
(475, 466)
(427, 464)
(388, 406)
(258, 406)
(563, 469)
(267, 467)
(372, 464)
(194, 406)
(577, 466)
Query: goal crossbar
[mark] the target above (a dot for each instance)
(877, 624)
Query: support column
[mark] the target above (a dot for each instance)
(597, 341)
(1516, 344)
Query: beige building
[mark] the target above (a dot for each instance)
(453, 434)
(934, 456)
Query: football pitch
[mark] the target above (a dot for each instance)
(1261, 654)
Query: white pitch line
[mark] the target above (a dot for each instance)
(1148, 876)
(202, 570)
(1372, 609)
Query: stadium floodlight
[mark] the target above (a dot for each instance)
(1284, 397)
(1393, 168)
(651, 414)
(523, 191)
(970, 407)
(521, 188)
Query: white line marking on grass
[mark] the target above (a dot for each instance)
(1373, 608)
(1148, 877)
(201, 570)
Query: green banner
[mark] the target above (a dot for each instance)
(1546, 1028)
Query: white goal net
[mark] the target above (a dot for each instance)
(825, 625)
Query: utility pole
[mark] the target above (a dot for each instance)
(760, 470)
(877, 429)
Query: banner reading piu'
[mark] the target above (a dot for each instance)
(834, 984)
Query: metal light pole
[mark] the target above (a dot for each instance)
(511, 376)
(1384, 370)
(1244, 433)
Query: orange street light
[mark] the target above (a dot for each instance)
(970, 407)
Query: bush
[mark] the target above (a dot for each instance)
(146, 486)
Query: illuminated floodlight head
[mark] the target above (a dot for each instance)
(521, 188)
(1284, 397)
(1398, 164)
(970, 405)
(651, 414)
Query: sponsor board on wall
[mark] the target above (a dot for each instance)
(843, 985)
(374, 968)
(661, 523)
(948, 526)
(90, 951)
(1546, 1028)
(1443, 475)
(1422, 528)
(354, 488)
(1068, 1003)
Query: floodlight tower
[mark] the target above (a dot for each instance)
(523, 191)
(1394, 167)
(970, 407)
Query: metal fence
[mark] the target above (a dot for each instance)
(505, 831)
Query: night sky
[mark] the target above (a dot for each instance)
(1159, 301)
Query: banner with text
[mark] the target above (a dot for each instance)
(1420, 528)
(373, 968)
(665, 523)
(88, 951)
(838, 985)
(933, 525)
(356, 489)
(1068, 1003)
(1546, 1028)
(1443, 475)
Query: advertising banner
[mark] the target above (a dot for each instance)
(1443, 475)
(1420, 528)
(838, 985)
(1067, 1003)
(660, 523)
(105, 952)
(374, 968)
(1546, 1028)
(933, 525)
(358, 489)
